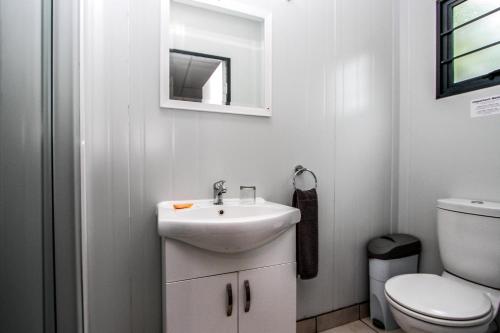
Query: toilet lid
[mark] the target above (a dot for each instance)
(438, 297)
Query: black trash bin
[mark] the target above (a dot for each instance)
(388, 256)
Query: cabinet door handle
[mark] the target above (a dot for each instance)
(229, 307)
(247, 295)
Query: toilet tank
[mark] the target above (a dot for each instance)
(469, 239)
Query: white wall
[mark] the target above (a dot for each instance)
(332, 112)
(443, 152)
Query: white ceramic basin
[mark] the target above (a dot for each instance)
(229, 228)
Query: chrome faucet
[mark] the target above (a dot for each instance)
(219, 190)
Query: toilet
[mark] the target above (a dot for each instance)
(466, 297)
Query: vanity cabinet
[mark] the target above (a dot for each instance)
(257, 300)
(272, 300)
(247, 292)
(201, 305)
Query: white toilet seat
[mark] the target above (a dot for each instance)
(437, 321)
(439, 301)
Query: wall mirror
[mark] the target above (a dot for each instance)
(215, 57)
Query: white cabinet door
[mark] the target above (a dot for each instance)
(202, 305)
(267, 300)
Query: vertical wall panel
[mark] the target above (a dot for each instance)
(364, 107)
(316, 296)
(149, 167)
(106, 114)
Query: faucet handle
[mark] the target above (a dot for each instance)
(219, 185)
(219, 189)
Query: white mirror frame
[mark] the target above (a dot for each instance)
(234, 8)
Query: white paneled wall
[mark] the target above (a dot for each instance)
(364, 75)
(443, 152)
(332, 112)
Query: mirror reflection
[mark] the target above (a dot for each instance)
(198, 77)
(216, 56)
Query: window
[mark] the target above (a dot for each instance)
(468, 51)
(199, 77)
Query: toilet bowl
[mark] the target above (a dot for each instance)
(466, 298)
(427, 303)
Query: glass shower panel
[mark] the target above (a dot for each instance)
(25, 283)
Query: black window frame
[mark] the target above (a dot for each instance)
(444, 54)
(211, 56)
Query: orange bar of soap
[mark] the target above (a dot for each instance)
(183, 206)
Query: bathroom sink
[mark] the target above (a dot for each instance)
(229, 228)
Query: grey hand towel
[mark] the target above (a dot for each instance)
(307, 233)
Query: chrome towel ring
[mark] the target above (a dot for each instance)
(299, 169)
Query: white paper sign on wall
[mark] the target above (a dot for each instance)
(485, 106)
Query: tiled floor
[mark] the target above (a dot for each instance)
(361, 326)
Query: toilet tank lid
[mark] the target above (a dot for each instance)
(468, 206)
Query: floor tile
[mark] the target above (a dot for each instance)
(368, 322)
(337, 318)
(306, 326)
(354, 327)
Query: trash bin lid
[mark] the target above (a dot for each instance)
(394, 246)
